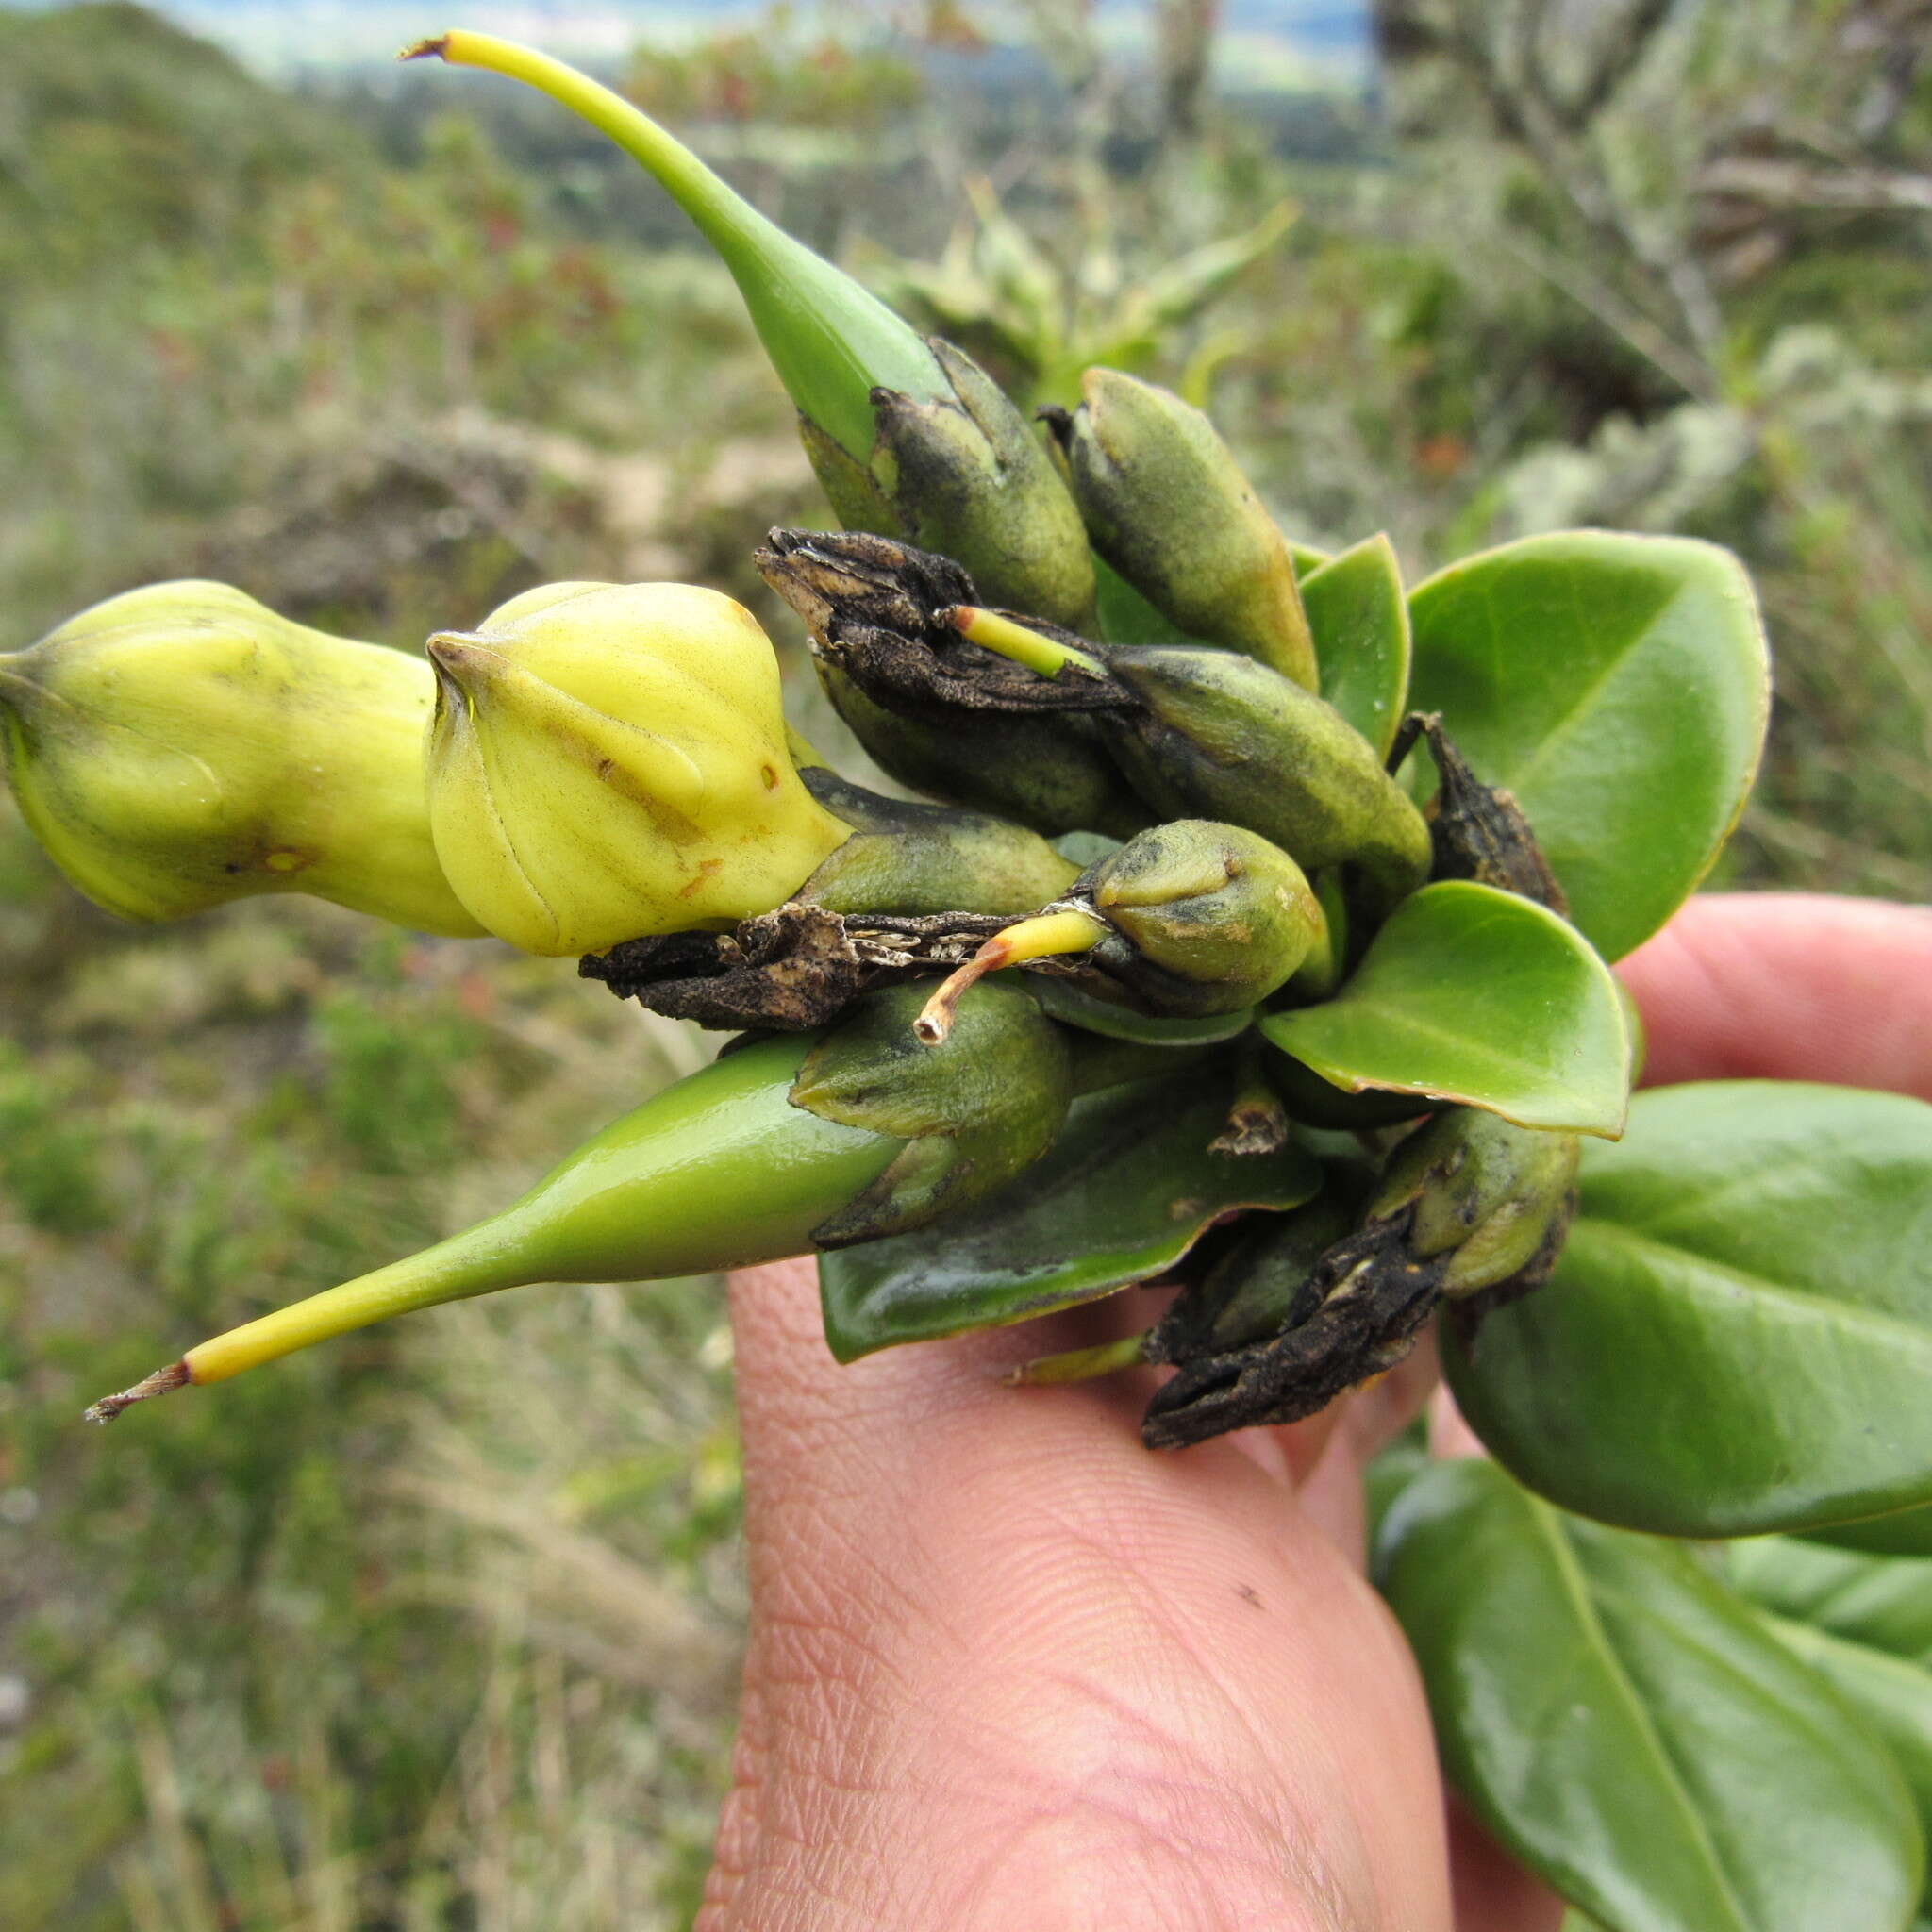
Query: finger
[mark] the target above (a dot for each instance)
(1789, 986)
(1494, 1893)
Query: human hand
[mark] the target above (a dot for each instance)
(1008, 1669)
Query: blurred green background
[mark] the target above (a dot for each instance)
(436, 1627)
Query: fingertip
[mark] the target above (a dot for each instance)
(1789, 986)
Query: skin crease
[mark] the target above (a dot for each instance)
(1008, 1669)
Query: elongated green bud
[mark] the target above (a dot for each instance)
(1210, 734)
(869, 604)
(1480, 1190)
(610, 760)
(1167, 506)
(784, 1145)
(908, 437)
(182, 745)
(830, 341)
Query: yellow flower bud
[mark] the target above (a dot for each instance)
(609, 761)
(182, 745)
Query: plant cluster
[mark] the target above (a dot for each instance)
(1300, 886)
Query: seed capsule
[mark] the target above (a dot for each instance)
(182, 745)
(609, 761)
(870, 605)
(1467, 1203)
(1167, 506)
(785, 1145)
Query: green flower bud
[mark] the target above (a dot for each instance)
(868, 603)
(180, 746)
(1187, 918)
(1480, 1190)
(609, 760)
(968, 478)
(973, 1111)
(1220, 910)
(907, 436)
(1167, 506)
(784, 1145)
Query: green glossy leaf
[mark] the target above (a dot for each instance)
(1884, 1603)
(1307, 558)
(1738, 1336)
(1359, 618)
(1629, 1730)
(1617, 685)
(1471, 995)
(1122, 1196)
(1890, 1697)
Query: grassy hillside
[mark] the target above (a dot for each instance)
(436, 1628)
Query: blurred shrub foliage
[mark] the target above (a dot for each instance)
(436, 1629)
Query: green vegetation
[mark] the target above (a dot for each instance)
(398, 1633)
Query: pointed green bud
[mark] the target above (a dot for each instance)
(609, 761)
(970, 479)
(1221, 910)
(1479, 1190)
(182, 745)
(1167, 506)
(907, 436)
(831, 342)
(781, 1146)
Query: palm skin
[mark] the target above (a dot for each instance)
(1009, 1670)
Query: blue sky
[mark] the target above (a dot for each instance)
(1284, 41)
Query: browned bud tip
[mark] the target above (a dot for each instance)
(935, 1021)
(436, 46)
(163, 1382)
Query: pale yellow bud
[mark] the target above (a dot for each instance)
(182, 745)
(609, 761)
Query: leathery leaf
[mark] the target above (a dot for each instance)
(1629, 1729)
(1475, 995)
(1619, 687)
(1739, 1335)
(1360, 618)
(1122, 1194)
